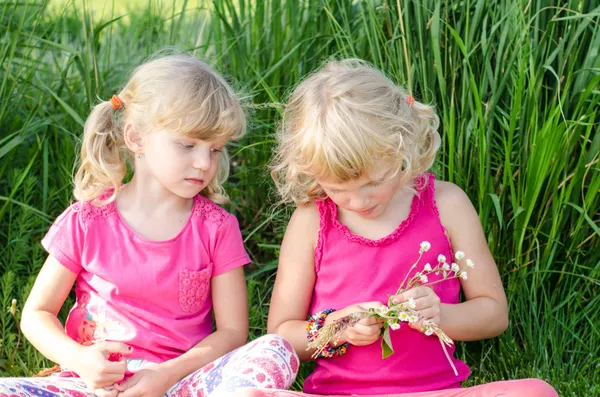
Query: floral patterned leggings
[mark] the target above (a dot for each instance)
(267, 362)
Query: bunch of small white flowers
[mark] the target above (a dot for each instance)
(405, 312)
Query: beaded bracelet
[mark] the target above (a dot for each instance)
(315, 323)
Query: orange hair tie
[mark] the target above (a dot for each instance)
(410, 100)
(116, 102)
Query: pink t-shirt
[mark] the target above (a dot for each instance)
(351, 269)
(152, 295)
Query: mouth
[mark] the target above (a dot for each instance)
(366, 211)
(194, 181)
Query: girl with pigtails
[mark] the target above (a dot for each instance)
(354, 152)
(153, 259)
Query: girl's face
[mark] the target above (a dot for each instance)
(367, 196)
(181, 164)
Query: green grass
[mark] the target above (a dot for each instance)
(516, 84)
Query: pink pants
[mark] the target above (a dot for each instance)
(510, 388)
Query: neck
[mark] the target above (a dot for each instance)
(150, 197)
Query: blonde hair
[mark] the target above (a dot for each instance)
(177, 92)
(343, 119)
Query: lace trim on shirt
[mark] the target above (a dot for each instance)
(210, 211)
(420, 184)
(322, 206)
(89, 211)
(436, 212)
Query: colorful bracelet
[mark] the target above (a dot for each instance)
(315, 323)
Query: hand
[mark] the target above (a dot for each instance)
(149, 382)
(427, 304)
(98, 368)
(367, 330)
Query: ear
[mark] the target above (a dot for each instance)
(133, 140)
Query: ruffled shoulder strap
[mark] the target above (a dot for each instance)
(324, 214)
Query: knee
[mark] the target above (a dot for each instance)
(532, 388)
(276, 341)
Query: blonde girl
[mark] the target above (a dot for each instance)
(353, 153)
(154, 259)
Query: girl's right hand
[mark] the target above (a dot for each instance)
(366, 331)
(95, 367)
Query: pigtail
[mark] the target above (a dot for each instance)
(102, 160)
(428, 141)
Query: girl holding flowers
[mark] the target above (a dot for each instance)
(353, 153)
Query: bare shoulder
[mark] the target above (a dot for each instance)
(304, 223)
(448, 192)
(454, 206)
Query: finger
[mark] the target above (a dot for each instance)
(371, 320)
(115, 367)
(105, 393)
(115, 347)
(426, 302)
(108, 380)
(122, 386)
(133, 391)
(370, 305)
(366, 330)
(416, 325)
(429, 313)
(415, 293)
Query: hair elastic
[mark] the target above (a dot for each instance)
(116, 102)
(410, 100)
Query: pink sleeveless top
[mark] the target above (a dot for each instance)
(351, 269)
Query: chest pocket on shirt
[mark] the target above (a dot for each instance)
(194, 286)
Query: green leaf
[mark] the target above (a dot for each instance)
(386, 344)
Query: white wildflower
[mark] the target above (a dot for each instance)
(429, 332)
(463, 274)
(413, 319)
(383, 310)
(446, 267)
(424, 278)
(441, 258)
(427, 267)
(411, 303)
(403, 316)
(470, 264)
(395, 326)
(459, 255)
(425, 246)
(455, 268)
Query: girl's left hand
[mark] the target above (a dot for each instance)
(148, 382)
(427, 304)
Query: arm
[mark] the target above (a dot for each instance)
(42, 328)
(294, 286)
(39, 321)
(295, 279)
(230, 307)
(484, 314)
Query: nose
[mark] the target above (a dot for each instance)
(359, 202)
(202, 160)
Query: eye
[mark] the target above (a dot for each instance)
(375, 184)
(187, 146)
(215, 150)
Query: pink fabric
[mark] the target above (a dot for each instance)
(511, 388)
(352, 269)
(152, 295)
